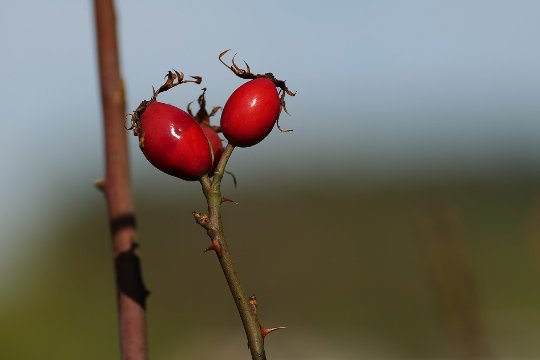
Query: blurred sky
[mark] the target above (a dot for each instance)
(385, 88)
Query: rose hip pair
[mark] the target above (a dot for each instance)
(187, 146)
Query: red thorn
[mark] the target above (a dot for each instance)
(224, 200)
(265, 331)
(214, 246)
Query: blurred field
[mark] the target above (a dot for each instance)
(342, 243)
(416, 272)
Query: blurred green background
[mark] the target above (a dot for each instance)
(400, 220)
(410, 272)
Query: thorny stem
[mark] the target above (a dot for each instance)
(214, 228)
(131, 292)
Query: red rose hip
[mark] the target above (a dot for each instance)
(250, 112)
(174, 142)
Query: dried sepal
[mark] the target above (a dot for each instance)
(248, 75)
(235, 182)
(136, 121)
(189, 108)
(202, 116)
(173, 78)
(214, 111)
(196, 79)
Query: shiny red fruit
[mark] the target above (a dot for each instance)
(215, 141)
(250, 113)
(174, 142)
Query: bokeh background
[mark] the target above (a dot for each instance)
(398, 221)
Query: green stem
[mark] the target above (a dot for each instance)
(214, 227)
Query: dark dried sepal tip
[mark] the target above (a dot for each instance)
(202, 116)
(174, 78)
(136, 116)
(248, 75)
(214, 111)
(214, 246)
(280, 128)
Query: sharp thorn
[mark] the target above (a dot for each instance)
(100, 185)
(265, 331)
(224, 200)
(214, 246)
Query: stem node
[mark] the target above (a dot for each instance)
(201, 219)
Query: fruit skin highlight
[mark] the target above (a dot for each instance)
(250, 112)
(173, 141)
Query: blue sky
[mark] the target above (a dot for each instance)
(384, 87)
